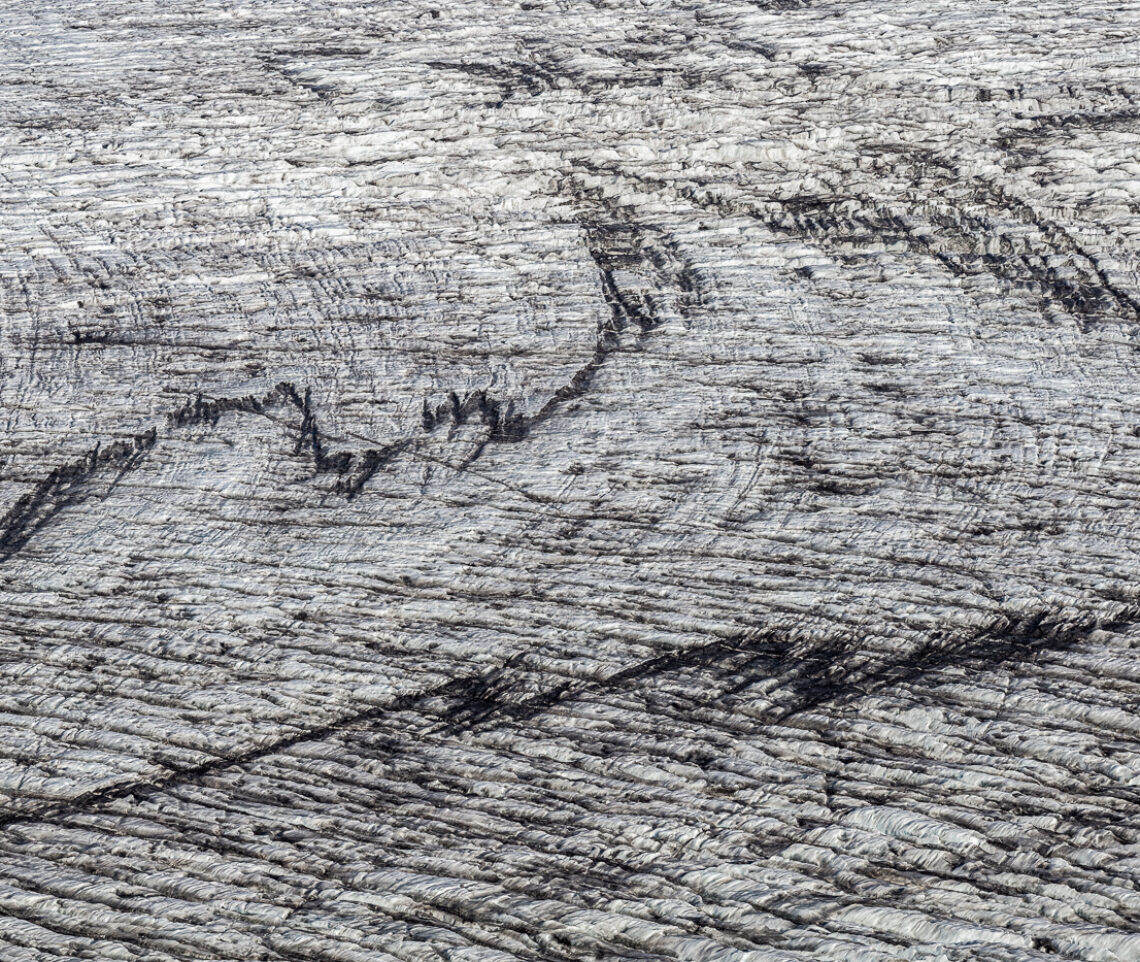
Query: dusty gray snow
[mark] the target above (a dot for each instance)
(570, 480)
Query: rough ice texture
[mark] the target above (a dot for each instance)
(569, 480)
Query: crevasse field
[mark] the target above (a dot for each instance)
(570, 481)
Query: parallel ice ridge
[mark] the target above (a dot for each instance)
(564, 480)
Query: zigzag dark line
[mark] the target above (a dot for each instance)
(73, 483)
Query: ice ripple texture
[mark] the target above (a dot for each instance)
(569, 480)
